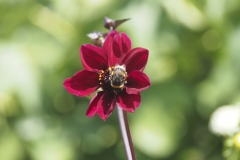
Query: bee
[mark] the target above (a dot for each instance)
(117, 76)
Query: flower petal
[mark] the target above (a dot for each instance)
(126, 43)
(115, 46)
(136, 82)
(136, 59)
(129, 102)
(93, 58)
(106, 105)
(92, 108)
(108, 47)
(83, 83)
(121, 45)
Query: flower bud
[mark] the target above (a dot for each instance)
(113, 24)
(97, 38)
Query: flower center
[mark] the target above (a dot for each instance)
(113, 79)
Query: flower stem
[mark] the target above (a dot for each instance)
(126, 135)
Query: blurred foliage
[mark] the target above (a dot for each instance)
(193, 66)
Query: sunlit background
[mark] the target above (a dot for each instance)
(194, 67)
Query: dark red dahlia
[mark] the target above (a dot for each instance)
(115, 70)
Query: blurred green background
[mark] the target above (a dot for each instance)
(193, 66)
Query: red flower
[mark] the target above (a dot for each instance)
(116, 69)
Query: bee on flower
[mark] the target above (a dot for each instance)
(116, 69)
